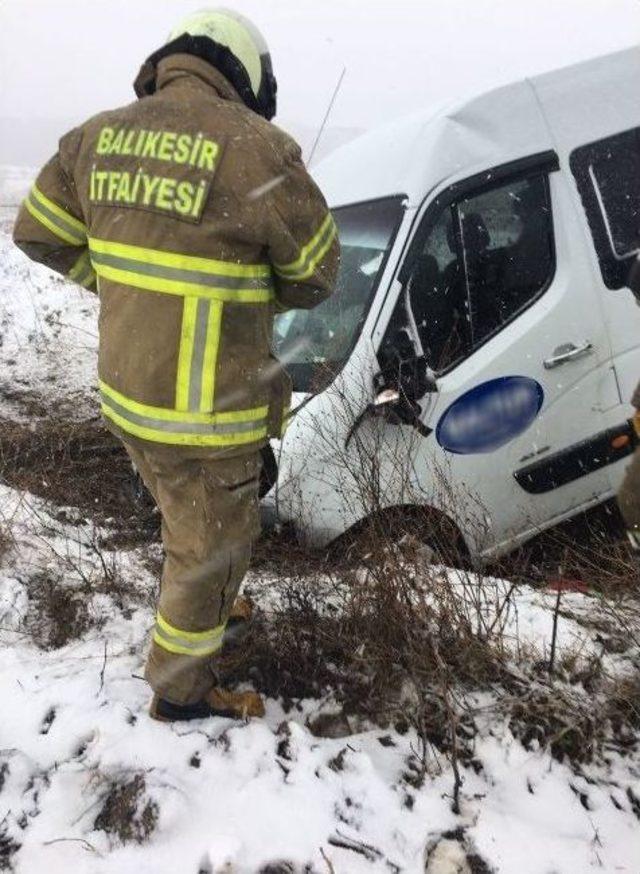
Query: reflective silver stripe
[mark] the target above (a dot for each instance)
(55, 219)
(161, 271)
(197, 357)
(182, 427)
(291, 272)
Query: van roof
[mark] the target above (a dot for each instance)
(414, 154)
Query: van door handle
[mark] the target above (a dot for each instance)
(567, 352)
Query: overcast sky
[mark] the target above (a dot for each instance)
(63, 60)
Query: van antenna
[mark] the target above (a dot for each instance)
(327, 114)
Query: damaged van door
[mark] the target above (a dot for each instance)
(494, 298)
(472, 360)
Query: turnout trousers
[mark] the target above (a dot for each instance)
(629, 494)
(210, 519)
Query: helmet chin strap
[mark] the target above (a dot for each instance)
(223, 60)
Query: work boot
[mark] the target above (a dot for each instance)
(239, 621)
(217, 702)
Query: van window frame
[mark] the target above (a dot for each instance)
(539, 164)
(613, 267)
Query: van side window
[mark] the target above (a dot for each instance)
(607, 173)
(486, 258)
(437, 296)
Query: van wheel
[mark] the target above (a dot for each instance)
(409, 527)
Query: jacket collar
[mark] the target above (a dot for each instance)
(193, 71)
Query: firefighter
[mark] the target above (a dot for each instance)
(629, 493)
(198, 221)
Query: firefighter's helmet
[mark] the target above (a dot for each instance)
(232, 44)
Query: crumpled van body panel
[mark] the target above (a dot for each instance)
(493, 249)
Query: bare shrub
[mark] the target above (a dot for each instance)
(78, 465)
(589, 550)
(384, 626)
(127, 814)
(623, 708)
(6, 540)
(555, 718)
(8, 848)
(57, 614)
(69, 570)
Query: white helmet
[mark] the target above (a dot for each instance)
(232, 44)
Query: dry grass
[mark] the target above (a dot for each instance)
(126, 813)
(57, 613)
(61, 591)
(5, 540)
(591, 549)
(8, 849)
(385, 635)
(397, 641)
(78, 465)
(370, 622)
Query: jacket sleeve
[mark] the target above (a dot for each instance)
(303, 241)
(50, 228)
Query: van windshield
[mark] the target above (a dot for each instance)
(314, 344)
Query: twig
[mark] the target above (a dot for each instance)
(506, 600)
(554, 633)
(343, 842)
(104, 665)
(452, 718)
(82, 841)
(329, 864)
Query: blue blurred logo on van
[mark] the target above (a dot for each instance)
(490, 415)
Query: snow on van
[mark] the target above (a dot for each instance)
(482, 337)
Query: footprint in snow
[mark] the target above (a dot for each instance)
(47, 722)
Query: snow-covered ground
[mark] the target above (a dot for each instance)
(48, 339)
(80, 758)
(14, 185)
(238, 797)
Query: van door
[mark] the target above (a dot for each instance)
(607, 173)
(497, 297)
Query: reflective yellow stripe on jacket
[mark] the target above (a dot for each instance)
(183, 428)
(206, 285)
(189, 643)
(55, 219)
(311, 255)
(184, 275)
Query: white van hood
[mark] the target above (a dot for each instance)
(375, 163)
(414, 154)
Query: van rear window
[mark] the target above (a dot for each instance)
(607, 173)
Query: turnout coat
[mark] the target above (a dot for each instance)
(198, 221)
